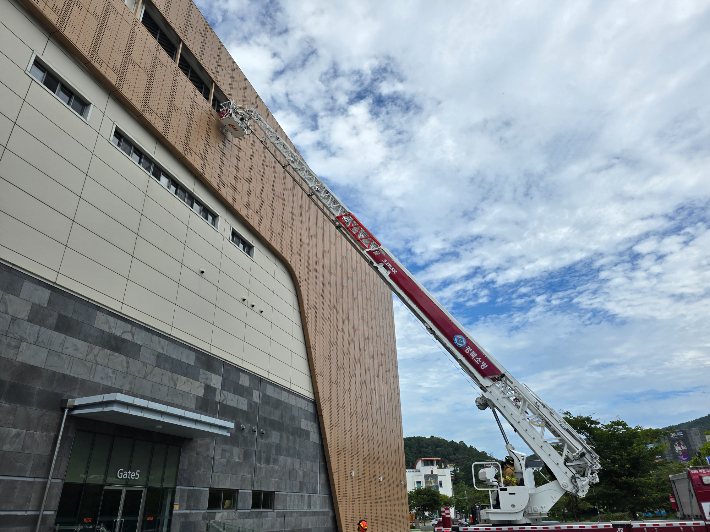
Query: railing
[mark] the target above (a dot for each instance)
(80, 528)
(225, 526)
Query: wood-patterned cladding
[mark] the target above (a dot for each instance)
(346, 310)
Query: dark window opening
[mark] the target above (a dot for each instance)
(159, 35)
(262, 500)
(64, 93)
(242, 243)
(222, 500)
(202, 87)
(217, 100)
(163, 178)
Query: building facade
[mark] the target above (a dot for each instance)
(427, 473)
(682, 445)
(178, 321)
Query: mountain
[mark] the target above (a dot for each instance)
(702, 424)
(450, 452)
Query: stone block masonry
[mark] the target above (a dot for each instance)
(54, 346)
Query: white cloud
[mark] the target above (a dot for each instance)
(541, 166)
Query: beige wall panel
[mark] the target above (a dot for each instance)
(279, 372)
(154, 280)
(347, 311)
(106, 227)
(240, 263)
(299, 363)
(284, 339)
(197, 284)
(115, 183)
(45, 160)
(282, 322)
(233, 288)
(117, 160)
(33, 212)
(165, 209)
(262, 292)
(196, 305)
(51, 109)
(29, 248)
(196, 262)
(39, 185)
(157, 259)
(228, 343)
(110, 204)
(98, 249)
(204, 230)
(53, 137)
(12, 76)
(10, 104)
(15, 17)
(302, 381)
(229, 323)
(5, 127)
(161, 237)
(13, 47)
(174, 167)
(256, 321)
(227, 355)
(202, 247)
(150, 304)
(258, 340)
(87, 291)
(191, 328)
(93, 275)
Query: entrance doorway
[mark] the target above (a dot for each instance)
(120, 509)
(117, 484)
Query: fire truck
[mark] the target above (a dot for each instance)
(569, 458)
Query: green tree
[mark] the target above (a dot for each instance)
(703, 451)
(631, 480)
(423, 501)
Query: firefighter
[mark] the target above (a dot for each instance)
(509, 472)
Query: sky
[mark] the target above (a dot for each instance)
(543, 168)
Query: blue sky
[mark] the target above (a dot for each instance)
(543, 169)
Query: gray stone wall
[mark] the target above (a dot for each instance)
(54, 345)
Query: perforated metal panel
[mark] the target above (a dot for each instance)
(346, 310)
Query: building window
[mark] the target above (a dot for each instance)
(191, 74)
(419, 483)
(159, 35)
(161, 31)
(441, 483)
(222, 500)
(262, 500)
(60, 89)
(242, 243)
(152, 168)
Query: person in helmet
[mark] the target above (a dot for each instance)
(509, 472)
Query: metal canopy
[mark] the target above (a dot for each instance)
(130, 411)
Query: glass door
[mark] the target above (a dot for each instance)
(120, 509)
(131, 510)
(110, 510)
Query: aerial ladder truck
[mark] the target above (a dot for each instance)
(572, 462)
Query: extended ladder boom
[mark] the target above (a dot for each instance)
(571, 460)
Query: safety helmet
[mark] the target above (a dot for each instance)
(509, 460)
(362, 526)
